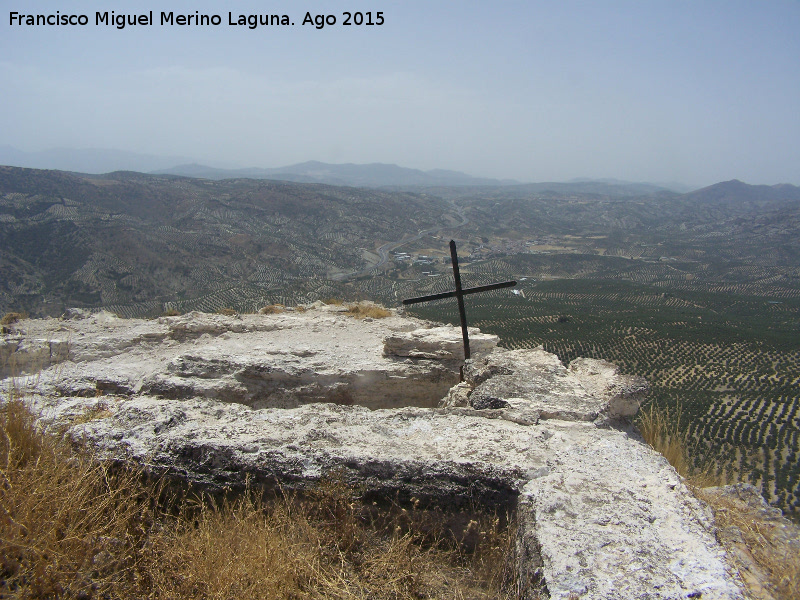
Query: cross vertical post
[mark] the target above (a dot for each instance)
(462, 313)
(459, 293)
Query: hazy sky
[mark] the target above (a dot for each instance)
(696, 91)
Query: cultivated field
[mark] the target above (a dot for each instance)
(732, 363)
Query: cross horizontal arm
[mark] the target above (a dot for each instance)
(472, 290)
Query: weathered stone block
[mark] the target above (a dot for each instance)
(440, 343)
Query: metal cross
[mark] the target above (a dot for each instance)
(460, 293)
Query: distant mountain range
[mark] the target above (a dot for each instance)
(99, 161)
(140, 242)
(738, 193)
(370, 175)
(87, 160)
(402, 178)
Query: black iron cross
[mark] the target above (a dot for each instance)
(460, 293)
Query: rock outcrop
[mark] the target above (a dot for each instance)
(529, 380)
(275, 361)
(285, 398)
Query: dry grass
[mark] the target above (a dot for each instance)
(660, 427)
(234, 550)
(769, 561)
(272, 309)
(68, 524)
(12, 317)
(228, 312)
(9, 319)
(73, 527)
(362, 310)
(171, 313)
(101, 410)
(765, 559)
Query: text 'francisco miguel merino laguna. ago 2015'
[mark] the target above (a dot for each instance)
(120, 21)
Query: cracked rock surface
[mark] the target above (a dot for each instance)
(285, 398)
(281, 361)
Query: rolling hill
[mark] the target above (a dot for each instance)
(698, 292)
(134, 240)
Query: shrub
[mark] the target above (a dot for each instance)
(228, 312)
(272, 309)
(361, 310)
(12, 317)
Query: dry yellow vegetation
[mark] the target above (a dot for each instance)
(764, 557)
(362, 310)
(761, 551)
(74, 527)
(12, 317)
(660, 427)
(272, 309)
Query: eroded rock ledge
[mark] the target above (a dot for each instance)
(287, 397)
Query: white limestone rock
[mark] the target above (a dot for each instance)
(281, 360)
(537, 380)
(440, 343)
(215, 399)
(457, 396)
(602, 379)
(20, 355)
(606, 515)
(635, 531)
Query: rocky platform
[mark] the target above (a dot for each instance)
(288, 397)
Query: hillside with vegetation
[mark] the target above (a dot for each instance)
(139, 242)
(698, 292)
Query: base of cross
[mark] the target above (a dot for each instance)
(459, 293)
